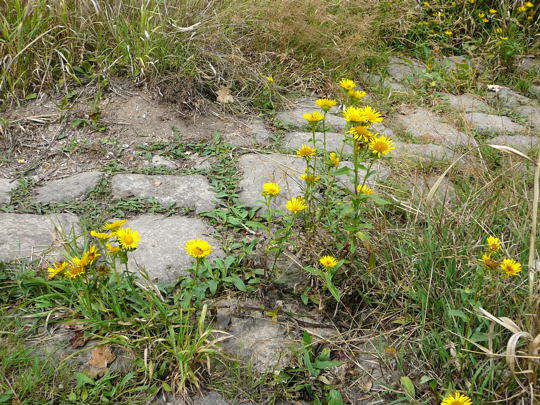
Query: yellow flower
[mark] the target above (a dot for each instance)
(357, 94)
(504, 38)
(115, 225)
(347, 84)
(489, 262)
(425, 3)
(313, 117)
(522, 9)
(328, 261)
(492, 11)
(361, 133)
(354, 115)
(472, 1)
(456, 399)
(269, 79)
(498, 30)
(381, 146)
(510, 267)
(334, 159)
(57, 268)
(198, 248)
(448, 32)
(90, 256)
(365, 190)
(325, 103)
(112, 249)
(76, 267)
(296, 204)
(306, 151)
(481, 15)
(371, 115)
(494, 243)
(101, 235)
(309, 178)
(529, 4)
(128, 238)
(485, 20)
(271, 189)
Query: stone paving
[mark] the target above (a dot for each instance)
(420, 135)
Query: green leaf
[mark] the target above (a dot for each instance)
(305, 298)
(213, 285)
(326, 364)
(238, 283)
(459, 313)
(166, 387)
(83, 379)
(408, 386)
(334, 398)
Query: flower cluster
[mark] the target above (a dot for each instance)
(489, 259)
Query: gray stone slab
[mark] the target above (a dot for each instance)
(158, 160)
(529, 64)
(493, 123)
(74, 187)
(421, 151)
(532, 114)
(421, 186)
(6, 187)
(466, 103)
(428, 127)
(401, 69)
(191, 191)
(535, 90)
(28, 236)
(508, 97)
(334, 141)
(376, 80)
(520, 142)
(249, 133)
(161, 251)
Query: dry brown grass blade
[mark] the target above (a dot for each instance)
(533, 268)
(503, 321)
(512, 151)
(511, 348)
(437, 184)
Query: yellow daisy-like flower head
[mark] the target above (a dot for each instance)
(456, 399)
(481, 15)
(306, 151)
(128, 238)
(489, 262)
(357, 94)
(310, 178)
(528, 4)
(381, 146)
(328, 261)
(112, 249)
(334, 159)
(90, 256)
(269, 79)
(361, 133)
(448, 32)
(57, 268)
(114, 226)
(492, 11)
(198, 248)
(313, 117)
(494, 243)
(76, 267)
(372, 115)
(365, 190)
(485, 20)
(347, 84)
(271, 189)
(522, 9)
(296, 205)
(325, 103)
(510, 267)
(498, 30)
(101, 235)
(503, 38)
(354, 115)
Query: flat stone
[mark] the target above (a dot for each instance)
(212, 398)
(249, 133)
(401, 69)
(428, 127)
(285, 170)
(192, 191)
(74, 187)
(508, 97)
(493, 123)
(376, 80)
(255, 338)
(532, 114)
(201, 162)
(158, 160)
(334, 141)
(421, 186)
(161, 250)
(421, 151)
(535, 90)
(456, 62)
(6, 187)
(521, 142)
(294, 118)
(29, 236)
(529, 64)
(466, 103)
(382, 129)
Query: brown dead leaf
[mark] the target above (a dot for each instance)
(224, 95)
(391, 351)
(101, 357)
(78, 339)
(157, 183)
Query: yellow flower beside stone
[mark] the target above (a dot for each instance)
(57, 268)
(357, 94)
(365, 190)
(296, 205)
(127, 238)
(114, 226)
(313, 117)
(381, 146)
(347, 84)
(271, 189)
(325, 103)
(101, 235)
(306, 151)
(198, 248)
(112, 249)
(310, 178)
(362, 134)
(334, 159)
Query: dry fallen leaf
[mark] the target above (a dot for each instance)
(78, 339)
(224, 95)
(157, 183)
(101, 357)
